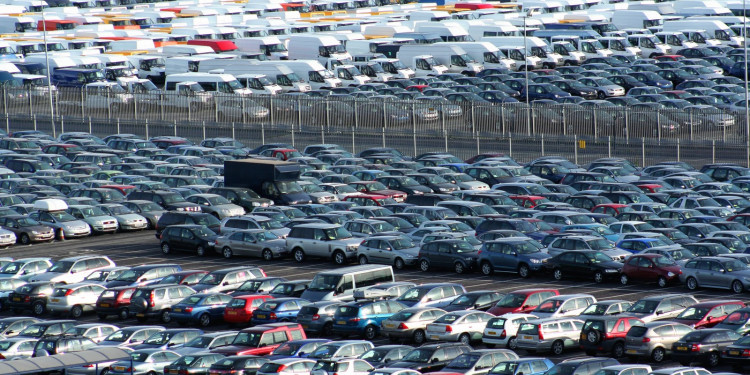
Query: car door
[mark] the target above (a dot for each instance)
(647, 270)
(444, 256)
(507, 258)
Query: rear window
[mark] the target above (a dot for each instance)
(270, 368)
(637, 331)
(347, 311)
(599, 325)
(528, 329)
(447, 319)
(308, 310)
(237, 302)
(498, 323)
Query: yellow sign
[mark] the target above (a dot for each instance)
(581, 144)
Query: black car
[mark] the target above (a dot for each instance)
(186, 218)
(32, 296)
(591, 264)
(244, 197)
(293, 288)
(404, 183)
(704, 346)
(194, 238)
(169, 200)
(431, 357)
(457, 255)
(480, 300)
(238, 364)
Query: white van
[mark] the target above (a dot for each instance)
(715, 31)
(487, 54)
(16, 24)
(535, 46)
(185, 50)
(270, 46)
(571, 55)
(55, 62)
(650, 45)
(185, 64)
(350, 75)
(277, 73)
(675, 40)
(620, 46)
(313, 72)
(323, 48)
(259, 84)
(637, 19)
(212, 83)
(449, 55)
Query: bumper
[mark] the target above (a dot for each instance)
(69, 233)
(236, 317)
(496, 340)
(316, 326)
(42, 237)
(134, 226)
(352, 330)
(145, 314)
(638, 352)
(539, 346)
(397, 333)
(433, 336)
(104, 228)
(110, 310)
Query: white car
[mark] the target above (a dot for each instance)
(73, 269)
(7, 238)
(74, 298)
(502, 330)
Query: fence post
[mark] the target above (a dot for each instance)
(270, 110)
(678, 149)
(542, 144)
(83, 110)
(502, 117)
(146, 121)
(175, 127)
(135, 106)
(713, 151)
(90, 127)
(596, 133)
(204, 130)
(62, 124)
(300, 126)
(627, 130)
(34, 116)
(299, 116)
(216, 113)
(510, 144)
(565, 125)
(31, 103)
(575, 148)
(643, 151)
(658, 126)
(322, 134)
(609, 146)
(413, 128)
(118, 125)
(244, 112)
(233, 137)
(353, 150)
(7, 123)
(262, 133)
(190, 111)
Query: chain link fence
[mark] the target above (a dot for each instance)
(699, 135)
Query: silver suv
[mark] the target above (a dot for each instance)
(330, 241)
(552, 334)
(661, 307)
(157, 301)
(653, 340)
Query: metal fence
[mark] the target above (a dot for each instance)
(581, 133)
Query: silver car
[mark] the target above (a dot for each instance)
(252, 242)
(17, 347)
(216, 205)
(144, 361)
(479, 362)
(462, 326)
(716, 272)
(126, 218)
(7, 286)
(96, 369)
(410, 324)
(25, 267)
(65, 225)
(233, 224)
(502, 330)
(74, 299)
(287, 366)
(97, 332)
(207, 342)
(130, 336)
(654, 340)
(661, 306)
(399, 251)
(95, 217)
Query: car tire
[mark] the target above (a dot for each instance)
(267, 255)
(524, 271)
(165, 248)
(691, 283)
(513, 343)
(624, 279)
(558, 347)
(24, 239)
(104, 372)
(598, 277)
(419, 337)
(661, 282)
(486, 269)
(166, 316)
(339, 258)
(657, 355)
(370, 333)
(299, 255)
(200, 251)
(76, 311)
(204, 320)
(363, 260)
(226, 252)
(327, 329)
(464, 339)
(737, 287)
(618, 350)
(399, 264)
(38, 308)
(424, 265)
(459, 268)
(123, 314)
(557, 274)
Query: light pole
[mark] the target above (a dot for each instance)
(526, 68)
(49, 79)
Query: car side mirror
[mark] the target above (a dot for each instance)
(340, 289)
(8, 332)
(225, 283)
(515, 254)
(434, 360)
(708, 319)
(723, 270)
(476, 305)
(659, 312)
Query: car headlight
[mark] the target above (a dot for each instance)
(670, 274)
(34, 232)
(536, 261)
(609, 270)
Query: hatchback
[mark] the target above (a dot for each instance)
(249, 364)
(364, 317)
(479, 362)
(653, 340)
(240, 308)
(130, 336)
(144, 361)
(550, 334)
(503, 330)
(708, 314)
(704, 346)
(193, 238)
(456, 255)
(287, 366)
(197, 363)
(382, 355)
(278, 310)
(396, 250)
(32, 296)
(431, 295)
(201, 308)
(74, 299)
(526, 365)
(317, 317)
(716, 272)
(512, 254)
(463, 326)
(650, 268)
(410, 324)
(606, 334)
(522, 301)
(207, 342)
(431, 357)
(662, 306)
(252, 242)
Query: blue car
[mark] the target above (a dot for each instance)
(202, 308)
(525, 366)
(512, 254)
(364, 317)
(456, 167)
(297, 348)
(601, 229)
(278, 310)
(636, 245)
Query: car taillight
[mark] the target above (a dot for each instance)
(315, 317)
(403, 326)
(541, 334)
(448, 329)
(272, 316)
(188, 309)
(502, 334)
(646, 339)
(695, 347)
(355, 320)
(129, 369)
(27, 299)
(746, 353)
(151, 300)
(479, 252)
(280, 369)
(69, 292)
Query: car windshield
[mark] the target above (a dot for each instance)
(600, 244)
(512, 300)
(129, 275)
(418, 356)
(465, 300)
(737, 318)
(247, 339)
(599, 258)
(504, 368)
(26, 222)
(185, 360)
(160, 338)
(644, 307)
(119, 210)
(374, 355)
(150, 206)
(734, 265)
(12, 268)
(413, 294)
(119, 336)
(526, 248)
(287, 349)
(139, 357)
(693, 313)
(61, 266)
(324, 283)
(62, 216)
(191, 301)
(464, 361)
(549, 306)
(662, 261)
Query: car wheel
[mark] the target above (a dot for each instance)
(418, 337)
(712, 360)
(464, 339)
(513, 343)
(226, 252)
(267, 255)
(166, 316)
(104, 372)
(76, 311)
(658, 355)
(557, 274)
(165, 249)
(339, 258)
(618, 351)
(601, 95)
(327, 329)
(624, 279)
(598, 277)
(370, 332)
(486, 269)
(24, 239)
(424, 265)
(691, 283)
(200, 251)
(524, 271)
(299, 255)
(399, 264)
(123, 314)
(204, 320)
(661, 281)
(737, 287)
(459, 268)
(363, 260)
(38, 308)
(558, 347)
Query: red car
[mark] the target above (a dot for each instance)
(669, 57)
(124, 189)
(613, 209)
(370, 200)
(650, 268)
(377, 188)
(528, 201)
(114, 301)
(707, 314)
(262, 339)
(240, 309)
(743, 219)
(650, 188)
(522, 301)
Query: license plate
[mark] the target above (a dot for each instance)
(177, 310)
(734, 352)
(631, 351)
(491, 333)
(104, 304)
(434, 337)
(528, 338)
(231, 312)
(172, 371)
(261, 316)
(583, 336)
(389, 325)
(17, 299)
(119, 368)
(305, 326)
(341, 322)
(54, 300)
(682, 348)
(140, 315)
